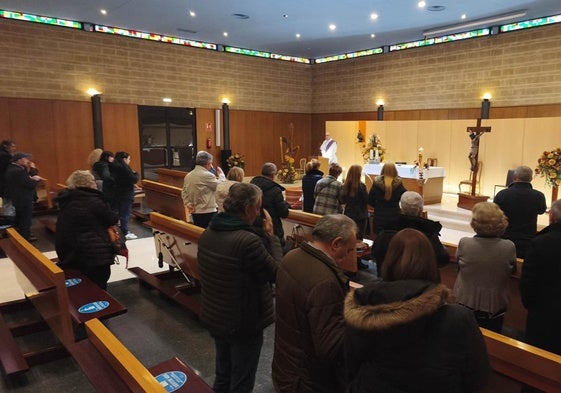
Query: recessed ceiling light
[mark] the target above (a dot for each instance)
(297, 35)
(192, 13)
(103, 12)
(240, 16)
(373, 16)
(436, 8)
(225, 34)
(332, 27)
(421, 4)
(166, 99)
(463, 16)
(285, 16)
(372, 35)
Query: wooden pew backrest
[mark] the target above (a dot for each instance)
(43, 283)
(523, 362)
(135, 375)
(171, 177)
(164, 199)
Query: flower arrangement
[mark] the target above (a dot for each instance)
(236, 160)
(373, 144)
(288, 174)
(549, 166)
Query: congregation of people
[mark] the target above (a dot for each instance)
(402, 331)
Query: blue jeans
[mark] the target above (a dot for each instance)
(236, 364)
(124, 207)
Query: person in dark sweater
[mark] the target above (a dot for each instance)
(238, 266)
(125, 180)
(273, 200)
(101, 170)
(522, 205)
(7, 148)
(384, 197)
(309, 180)
(81, 238)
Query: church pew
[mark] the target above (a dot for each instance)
(118, 370)
(523, 363)
(176, 244)
(165, 199)
(516, 313)
(45, 287)
(171, 177)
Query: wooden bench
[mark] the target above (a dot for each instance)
(516, 313)
(176, 244)
(523, 363)
(111, 367)
(164, 199)
(60, 308)
(171, 177)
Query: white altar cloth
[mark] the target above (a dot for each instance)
(406, 171)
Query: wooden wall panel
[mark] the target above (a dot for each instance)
(32, 128)
(207, 116)
(120, 130)
(5, 130)
(73, 137)
(256, 135)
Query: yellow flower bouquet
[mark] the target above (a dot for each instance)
(236, 160)
(549, 167)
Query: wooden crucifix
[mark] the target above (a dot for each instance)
(475, 133)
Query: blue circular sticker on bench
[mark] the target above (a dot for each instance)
(93, 307)
(72, 281)
(172, 380)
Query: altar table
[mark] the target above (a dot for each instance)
(430, 187)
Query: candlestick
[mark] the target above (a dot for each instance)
(377, 155)
(371, 154)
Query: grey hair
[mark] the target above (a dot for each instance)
(555, 210)
(203, 158)
(411, 203)
(240, 196)
(523, 174)
(81, 179)
(269, 169)
(332, 226)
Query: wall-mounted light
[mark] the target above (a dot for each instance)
(96, 116)
(485, 106)
(92, 92)
(167, 100)
(380, 104)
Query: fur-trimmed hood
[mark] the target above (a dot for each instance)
(383, 306)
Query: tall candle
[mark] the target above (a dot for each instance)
(377, 154)
(371, 154)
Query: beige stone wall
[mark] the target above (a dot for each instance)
(518, 68)
(59, 63)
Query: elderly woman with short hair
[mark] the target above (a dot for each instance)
(81, 238)
(485, 263)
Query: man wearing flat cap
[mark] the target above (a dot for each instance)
(20, 189)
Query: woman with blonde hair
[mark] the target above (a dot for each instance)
(354, 196)
(384, 197)
(485, 263)
(235, 175)
(81, 238)
(402, 335)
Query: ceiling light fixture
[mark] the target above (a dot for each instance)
(192, 13)
(297, 35)
(477, 22)
(421, 4)
(463, 16)
(372, 35)
(103, 12)
(332, 27)
(225, 34)
(373, 16)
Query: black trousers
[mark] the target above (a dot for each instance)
(24, 215)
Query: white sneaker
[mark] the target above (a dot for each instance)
(131, 236)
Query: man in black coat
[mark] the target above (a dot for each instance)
(7, 148)
(273, 200)
(20, 189)
(521, 204)
(539, 285)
